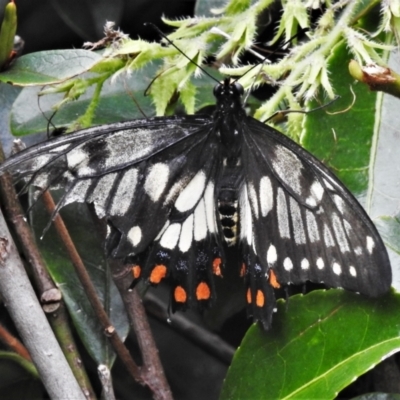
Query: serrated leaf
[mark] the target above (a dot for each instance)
(316, 347)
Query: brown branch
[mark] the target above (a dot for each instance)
(90, 291)
(13, 343)
(50, 295)
(155, 376)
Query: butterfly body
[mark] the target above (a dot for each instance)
(173, 190)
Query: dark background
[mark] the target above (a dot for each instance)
(60, 24)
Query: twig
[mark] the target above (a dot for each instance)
(152, 367)
(106, 382)
(62, 330)
(50, 295)
(13, 343)
(32, 324)
(209, 342)
(90, 291)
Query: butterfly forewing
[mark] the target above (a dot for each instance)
(179, 192)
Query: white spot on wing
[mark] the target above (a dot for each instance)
(253, 198)
(370, 244)
(287, 264)
(328, 237)
(337, 269)
(135, 235)
(298, 229)
(312, 227)
(288, 167)
(352, 271)
(271, 255)
(174, 191)
(124, 194)
(186, 237)
(339, 233)
(283, 219)
(347, 228)
(339, 203)
(305, 263)
(100, 194)
(200, 224)
(78, 192)
(189, 196)
(358, 250)
(328, 185)
(316, 193)
(210, 207)
(39, 161)
(266, 196)
(156, 180)
(170, 237)
(77, 158)
(246, 223)
(320, 263)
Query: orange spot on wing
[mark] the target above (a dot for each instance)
(260, 299)
(273, 281)
(136, 271)
(248, 296)
(159, 272)
(180, 295)
(217, 266)
(203, 291)
(243, 270)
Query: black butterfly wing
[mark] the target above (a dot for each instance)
(154, 183)
(188, 247)
(305, 224)
(132, 172)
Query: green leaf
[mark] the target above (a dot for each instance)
(318, 344)
(84, 235)
(120, 101)
(21, 361)
(49, 67)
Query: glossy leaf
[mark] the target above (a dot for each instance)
(49, 67)
(319, 344)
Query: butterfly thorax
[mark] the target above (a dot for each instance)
(228, 119)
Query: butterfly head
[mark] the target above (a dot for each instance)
(229, 94)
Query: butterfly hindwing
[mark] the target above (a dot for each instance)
(187, 248)
(307, 225)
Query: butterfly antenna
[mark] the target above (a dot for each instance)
(180, 51)
(274, 52)
(285, 112)
(146, 92)
(130, 94)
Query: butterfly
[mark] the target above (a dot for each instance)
(179, 193)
